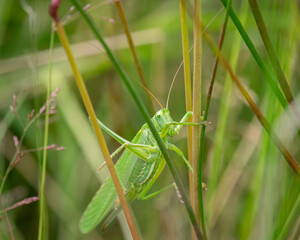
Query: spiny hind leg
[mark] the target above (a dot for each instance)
(143, 195)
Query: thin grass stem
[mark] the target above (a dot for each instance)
(134, 53)
(209, 94)
(46, 133)
(292, 216)
(9, 226)
(219, 138)
(12, 162)
(256, 56)
(270, 50)
(92, 115)
(197, 84)
(187, 87)
(196, 99)
(273, 58)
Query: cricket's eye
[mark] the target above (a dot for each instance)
(158, 116)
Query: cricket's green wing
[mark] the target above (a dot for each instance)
(104, 200)
(99, 206)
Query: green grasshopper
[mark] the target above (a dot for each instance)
(138, 168)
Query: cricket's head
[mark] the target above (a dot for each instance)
(161, 118)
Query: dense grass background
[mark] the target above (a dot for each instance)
(252, 192)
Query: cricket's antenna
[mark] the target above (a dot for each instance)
(146, 90)
(189, 52)
(173, 83)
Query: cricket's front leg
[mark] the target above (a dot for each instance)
(183, 122)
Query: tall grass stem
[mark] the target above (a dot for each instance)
(42, 205)
(134, 54)
(187, 87)
(91, 112)
(209, 95)
(197, 94)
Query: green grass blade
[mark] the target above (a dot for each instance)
(271, 51)
(91, 112)
(210, 90)
(274, 59)
(187, 86)
(256, 56)
(42, 217)
(134, 54)
(292, 216)
(197, 93)
(288, 157)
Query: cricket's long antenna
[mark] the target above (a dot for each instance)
(189, 51)
(146, 90)
(173, 83)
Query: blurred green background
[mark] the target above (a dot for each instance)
(254, 193)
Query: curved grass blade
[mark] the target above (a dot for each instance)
(89, 107)
(273, 57)
(270, 50)
(256, 56)
(135, 56)
(289, 158)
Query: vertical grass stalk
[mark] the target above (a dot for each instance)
(197, 82)
(187, 87)
(134, 54)
(209, 94)
(252, 213)
(223, 116)
(89, 107)
(42, 234)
